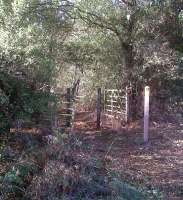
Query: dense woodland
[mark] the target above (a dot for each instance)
(47, 46)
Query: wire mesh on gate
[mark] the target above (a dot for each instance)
(115, 104)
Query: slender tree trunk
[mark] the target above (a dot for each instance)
(129, 64)
(128, 56)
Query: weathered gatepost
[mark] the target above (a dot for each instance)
(127, 104)
(146, 114)
(99, 94)
(69, 112)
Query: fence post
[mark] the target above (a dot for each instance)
(68, 98)
(146, 114)
(104, 107)
(127, 105)
(73, 113)
(55, 121)
(112, 109)
(98, 107)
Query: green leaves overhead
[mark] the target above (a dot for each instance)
(32, 33)
(125, 39)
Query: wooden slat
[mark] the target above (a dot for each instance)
(65, 102)
(114, 90)
(108, 110)
(80, 97)
(112, 101)
(117, 97)
(109, 115)
(64, 114)
(116, 111)
(113, 106)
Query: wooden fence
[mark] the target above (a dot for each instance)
(69, 103)
(64, 115)
(115, 107)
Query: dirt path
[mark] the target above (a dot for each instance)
(158, 165)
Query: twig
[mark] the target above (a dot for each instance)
(109, 149)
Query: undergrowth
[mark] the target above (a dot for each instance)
(62, 170)
(71, 175)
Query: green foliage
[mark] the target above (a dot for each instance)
(20, 101)
(117, 43)
(12, 178)
(32, 34)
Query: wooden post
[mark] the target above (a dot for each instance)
(73, 113)
(146, 114)
(68, 98)
(112, 109)
(127, 106)
(104, 107)
(98, 108)
(54, 120)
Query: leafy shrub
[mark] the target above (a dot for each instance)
(19, 101)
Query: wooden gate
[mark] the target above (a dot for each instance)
(116, 105)
(65, 114)
(70, 107)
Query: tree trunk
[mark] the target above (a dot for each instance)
(130, 79)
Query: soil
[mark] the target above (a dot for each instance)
(158, 164)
